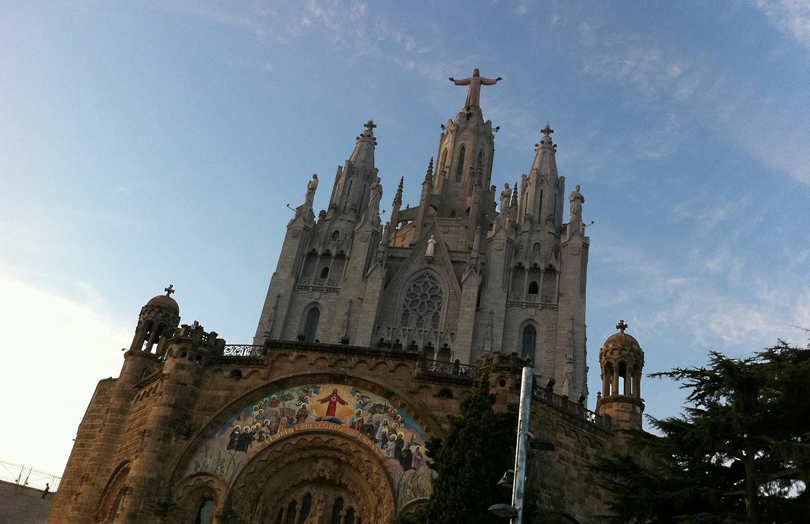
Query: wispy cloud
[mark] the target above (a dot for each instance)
(702, 89)
(789, 16)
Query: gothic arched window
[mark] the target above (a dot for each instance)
(533, 288)
(423, 303)
(325, 272)
(205, 512)
(460, 164)
(529, 342)
(311, 324)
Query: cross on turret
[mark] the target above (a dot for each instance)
(547, 130)
(621, 326)
(169, 290)
(370, 125)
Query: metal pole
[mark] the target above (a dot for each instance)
(522, 443)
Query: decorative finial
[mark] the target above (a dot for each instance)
(401, 182)
(547, 130)
(169, 290)
(621, 326)
(429, 173)
(370, 126)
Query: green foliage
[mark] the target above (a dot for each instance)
(469, 462)
(740, 452)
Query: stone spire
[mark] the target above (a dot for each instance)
(363, 154)
(429, 174)
(544, 153)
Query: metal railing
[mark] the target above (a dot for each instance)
(456, 369)
(563, 404)
(242, 350)
(23, 475)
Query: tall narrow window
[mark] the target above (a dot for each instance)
(460, 164)
(290, 518)
(533, 288)
(306, 506)
(337, 509)
(529, 342)
(480, 159)
(205, 512)
(540, 209)
(555, 206)
(325, 272)
(348, 195)
(311, 324)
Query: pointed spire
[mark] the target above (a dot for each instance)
(429, 174)
(398, 196)
(363, 154)
(515, 196)
(544, 157)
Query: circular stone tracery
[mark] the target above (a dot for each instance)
(423, 303)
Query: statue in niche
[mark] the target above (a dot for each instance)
(506, 195)
(576, 200)
(374, 198)
(312, 186)
(431, 247)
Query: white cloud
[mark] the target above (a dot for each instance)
(55, 351)
(789, 16)
(703, 89)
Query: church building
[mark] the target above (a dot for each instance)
(369, 336)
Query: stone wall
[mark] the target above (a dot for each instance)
(23, 505)
(162, 422)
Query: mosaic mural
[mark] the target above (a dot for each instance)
(392, 432)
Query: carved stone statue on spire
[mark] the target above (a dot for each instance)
(576, 200)
(312, 186)
(375, 196)
(506, 195)
(475, 82)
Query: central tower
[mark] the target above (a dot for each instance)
(457, 276)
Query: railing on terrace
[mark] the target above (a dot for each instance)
(23, 475)
(563, 404)
(242, 350)
(455, 369)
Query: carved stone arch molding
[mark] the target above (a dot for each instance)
(114, 493)
(192, 491)
(216, 452)
(318, 463)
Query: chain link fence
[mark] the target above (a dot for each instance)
(28, 476)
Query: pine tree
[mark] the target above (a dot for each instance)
(740, 452)
(469, 462)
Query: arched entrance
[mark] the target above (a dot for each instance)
(315, 475)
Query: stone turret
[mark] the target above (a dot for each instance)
(158, 318)
(622, 361)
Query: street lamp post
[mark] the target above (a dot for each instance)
(521, 450)
(514, 512)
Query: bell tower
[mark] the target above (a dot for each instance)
(622, 360)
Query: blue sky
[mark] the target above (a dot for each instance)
(144, 143)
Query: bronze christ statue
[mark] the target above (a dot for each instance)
(475, 82)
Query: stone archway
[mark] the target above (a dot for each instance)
(315, 475)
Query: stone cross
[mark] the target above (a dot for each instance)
(621, 326)
(547, 130)
(169, 290)
(370, 125)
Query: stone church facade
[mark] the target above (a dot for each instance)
(369, 336)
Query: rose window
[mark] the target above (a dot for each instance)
(423, 303)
